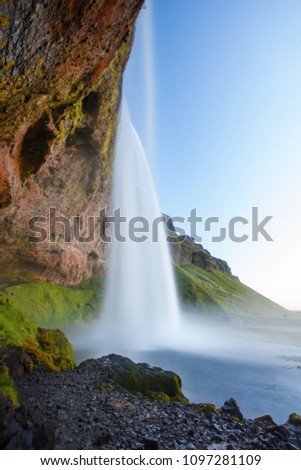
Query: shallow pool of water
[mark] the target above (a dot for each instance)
(259, 389)
(272, 386)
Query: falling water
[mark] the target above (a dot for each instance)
(140, 307)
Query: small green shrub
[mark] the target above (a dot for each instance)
(7, 386)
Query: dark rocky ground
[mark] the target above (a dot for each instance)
(86, 408)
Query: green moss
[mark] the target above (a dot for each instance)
(152, 382)
(55, 344)
(110, 95)
(55, 306)
(12, 86)
(111, 119)
(15, 327)
(294, 419)
(160, 396)
(7, 386)
(267, 420)
(207, 408)
(44, 87)
(70, 120)
(50, 349)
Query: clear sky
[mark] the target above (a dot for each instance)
(214, 89)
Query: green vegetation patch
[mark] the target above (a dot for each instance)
(15, 327)
(151, 382)
(207, 408)
(223, 293)
(51, 305)
(7, 386)
(48, 347)
(140, 379)
(295, 419)
(196, 288)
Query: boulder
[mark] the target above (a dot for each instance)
(151, 382)
(294, 419)
(231, 408)
(207, 408)
(22, 429)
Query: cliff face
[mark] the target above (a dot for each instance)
(186, 251)
(62, 64)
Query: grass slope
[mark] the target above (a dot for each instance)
(217, 294)
(219, 291)
(15, 327)
(50, 305)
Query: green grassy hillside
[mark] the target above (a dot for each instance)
(50, 305)
(215, 294)
(15, 327)
(217, 290)
(54, 306)
(222, 297)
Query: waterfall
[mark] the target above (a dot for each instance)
(140, 306)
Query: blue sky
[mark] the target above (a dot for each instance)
(214, 92)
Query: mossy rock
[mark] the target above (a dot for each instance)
(266, 419)
(149, 381)
(294, 419)
(281, 430)
(25, 345)
(141, 379)
(207, 408)
(160, 396)
(55, 344)
(50, 350)
(7, 386)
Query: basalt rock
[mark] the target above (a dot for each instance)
(295, 419)
(151, 382)
(62, 65)
(50, 350)
(185, 250)
(231, 408)
(109, 417)
(20, 428)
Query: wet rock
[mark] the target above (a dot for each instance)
(20, 428)
(152, 382)
(124, 420)
(150, 444)
(102, 439)
(50, 349)
(56, 344)
(231, 408)
(17, 360)
(207, 408)
(267, 420)
(280, 431)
